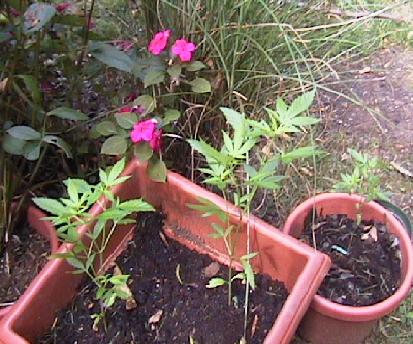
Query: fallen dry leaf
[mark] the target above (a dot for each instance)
(365, 70)
(156, 317)
(211, 270)
(372, 233)
(3, 84)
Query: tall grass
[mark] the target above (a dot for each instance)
(260, 48)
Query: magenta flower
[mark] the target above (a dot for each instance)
(136, 108)
(184, 49)
(155, 142)
(126, 109)
(159, 42)
(131, 97)
(147, 131)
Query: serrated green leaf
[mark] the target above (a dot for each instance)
(76, 263)
(157, 170)
(148, 103)
(106, 128)
(32, 85)
(194, 66)
(50, 205)
(59, 142)
(68, 113)
(79, 184)
(174, 71)
(281, 107)
(111, 56)
(136, 205)
(143, 151)
(115, 171)
(170, 115)
(23, 132)
(300, 153)
(13, 145)
(114, 145)
(303, 121)
(207, 150)
(126, 120)
(31, 150)
(153, 77)
(216, 282)
(200, 85)
(301, 103)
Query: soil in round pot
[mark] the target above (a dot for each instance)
(29, 251)
(168, 282)
(365, 259)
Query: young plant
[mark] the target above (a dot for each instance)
(35, 41)
(364, 180)
(231, 171)
(67, 214)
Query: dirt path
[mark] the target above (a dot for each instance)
(384, 84)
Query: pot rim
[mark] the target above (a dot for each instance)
(378, 310)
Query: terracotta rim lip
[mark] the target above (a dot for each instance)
(361, 313)
(47, 230)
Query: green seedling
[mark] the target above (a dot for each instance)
(230, 170)
(364, 180)
(67, 214)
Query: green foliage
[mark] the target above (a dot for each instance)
(36, 116)
(71, 212)
(364, 180)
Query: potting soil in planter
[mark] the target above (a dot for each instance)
(365, 259)
(168, 282)
(28, 252)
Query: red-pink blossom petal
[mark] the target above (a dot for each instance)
(159, 42)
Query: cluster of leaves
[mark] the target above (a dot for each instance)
(164, 79)
(364, 180)
(67, 214)
(30, 45)
(229, 168)
(40, 46)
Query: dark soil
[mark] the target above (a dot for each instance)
(168, 311)
(365, 260)
(28, 252)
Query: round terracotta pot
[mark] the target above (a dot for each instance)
(45, 229)
(328, 322)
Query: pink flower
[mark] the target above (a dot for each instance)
(147, 131)
(135, 108)
(155, 142)
(126, 109)
(159, 42)
(131, 97)
(184, 49)
(63, 6)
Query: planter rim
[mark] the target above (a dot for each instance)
(314, 264)
(361, 313)
(46, 230)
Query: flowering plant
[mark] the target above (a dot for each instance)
(166, 66)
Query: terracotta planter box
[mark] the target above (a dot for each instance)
(326, 321)
(44, 228)
(301, 268)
